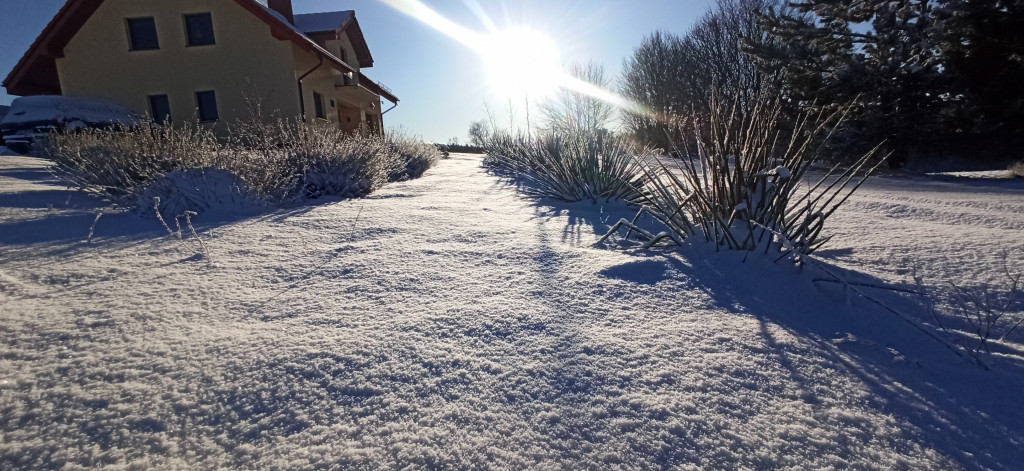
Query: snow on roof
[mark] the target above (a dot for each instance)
(309, 42)
(319, 22)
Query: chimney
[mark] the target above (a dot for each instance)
(284, 7)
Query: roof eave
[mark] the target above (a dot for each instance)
(29, 76)
(358, 41)
(377, 88)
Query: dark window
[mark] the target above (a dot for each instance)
(142, 33)
(160, 107)
(344, 58)
(199, 28)
(207, 103)
(318, 103)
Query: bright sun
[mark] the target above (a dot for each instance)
(522, 62)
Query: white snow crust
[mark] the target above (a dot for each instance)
(448, 323)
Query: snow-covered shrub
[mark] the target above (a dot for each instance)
(120, 162)
(742, 185)
(568, 167)
(417, 155)
(290, 159)
(277, 161)
(199, 190)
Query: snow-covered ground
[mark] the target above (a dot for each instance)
(447, 323)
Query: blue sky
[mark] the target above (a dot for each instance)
(442, 83)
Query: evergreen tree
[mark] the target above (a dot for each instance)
(982, 52)
(877, 55)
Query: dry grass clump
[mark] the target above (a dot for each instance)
(741, 184)
(279, 161)
(568, 167)
(120, 163)
(289, 159)
(416, 155)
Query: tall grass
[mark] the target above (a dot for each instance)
(743, 183)
(568, 167)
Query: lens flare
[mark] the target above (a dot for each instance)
(522, 61)
(518, 60)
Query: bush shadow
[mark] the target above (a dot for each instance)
(954, 406)
(52, 199)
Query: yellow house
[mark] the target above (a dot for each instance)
(211, 60)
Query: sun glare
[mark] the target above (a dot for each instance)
(520, 62)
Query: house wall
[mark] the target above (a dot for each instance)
(344, 44)
(245, 60)
(353, 106)
(321, 81)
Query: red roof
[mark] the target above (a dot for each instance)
(36, 72)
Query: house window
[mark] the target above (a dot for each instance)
(318, 104)
(344, 58)
(199, 28)
(142, 34)
(207, 104)
(160, 107)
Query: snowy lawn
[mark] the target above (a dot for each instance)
(449, 323)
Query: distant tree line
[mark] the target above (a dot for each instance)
(917, 75)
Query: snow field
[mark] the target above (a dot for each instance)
(448, 323)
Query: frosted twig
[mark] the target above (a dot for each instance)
(976, 361)
(188, 221)
(869, 285)
(156, 208)
(652, 239)
(92, 228)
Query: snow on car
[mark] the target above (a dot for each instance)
(33, 116)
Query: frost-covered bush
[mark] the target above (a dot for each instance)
(570, 166)
(417, 156)
(742, 185)
(119, 163)
(276, 161)
(199, 190)
(1017, 169)
(289, 159)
